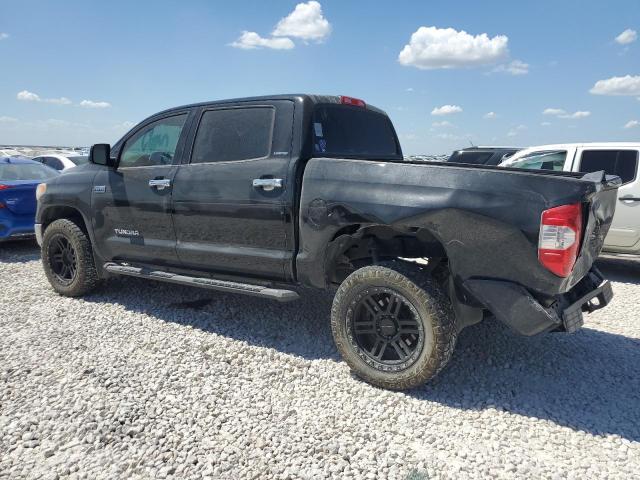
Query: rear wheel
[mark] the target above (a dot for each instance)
(393, 325)
(67, 259)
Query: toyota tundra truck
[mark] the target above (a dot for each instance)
(261, 196)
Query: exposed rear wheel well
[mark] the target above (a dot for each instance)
(354, 247)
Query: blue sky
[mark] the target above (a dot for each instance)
(80, 72)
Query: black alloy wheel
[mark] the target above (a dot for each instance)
(63, 259)
(386, 329)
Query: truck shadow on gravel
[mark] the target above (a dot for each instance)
(589, 381)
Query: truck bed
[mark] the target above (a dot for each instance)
(486, 218)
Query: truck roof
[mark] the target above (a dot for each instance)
(311, 99)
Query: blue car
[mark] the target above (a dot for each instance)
(19, 178)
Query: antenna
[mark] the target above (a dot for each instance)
(471, 143)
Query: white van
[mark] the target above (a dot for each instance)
(619, 159)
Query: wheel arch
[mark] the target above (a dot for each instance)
(354, 246)
(51, 213)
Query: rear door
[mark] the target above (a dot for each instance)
(132, 204)
(231, 200)
(624, 234)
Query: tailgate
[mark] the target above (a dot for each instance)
(19, 198)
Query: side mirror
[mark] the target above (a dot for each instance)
(100, 154)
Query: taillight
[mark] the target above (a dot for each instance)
(4, 187)
(560, 234)
(356, 102)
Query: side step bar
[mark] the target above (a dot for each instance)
(278, 294)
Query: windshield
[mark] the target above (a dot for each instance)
(79, 159)
(352, 132)
(25, 171)
(548, 160)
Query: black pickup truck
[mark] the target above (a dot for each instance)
(263, 195)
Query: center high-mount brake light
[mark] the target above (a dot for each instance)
(560, 234)
(356, 102)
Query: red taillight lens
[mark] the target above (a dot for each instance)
(560, 234)
(356, 102)
(4, 187)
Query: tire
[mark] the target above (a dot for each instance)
(74, 282)
(423, 300)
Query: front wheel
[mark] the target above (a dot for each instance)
(67, 259)
(393, 325)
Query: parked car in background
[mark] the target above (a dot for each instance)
(619, 159)
(19, 178)
(61, 161)
(482, 155)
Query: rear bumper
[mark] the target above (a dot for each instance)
(513, 305)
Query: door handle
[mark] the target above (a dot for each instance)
(267, 184)
(629, 199)
(160, 183)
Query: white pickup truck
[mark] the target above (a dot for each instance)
(619, 159)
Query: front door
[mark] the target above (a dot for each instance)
(132, 204)
(624, 234)
(232, 200)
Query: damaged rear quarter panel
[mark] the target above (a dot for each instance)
(486, 219)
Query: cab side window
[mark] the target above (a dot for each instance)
(234, 134)
(623, 163)
(154, 144)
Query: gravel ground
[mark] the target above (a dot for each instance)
(150, 380)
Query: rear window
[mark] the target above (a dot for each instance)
(623, 163)
(25, 171)
(352, 132)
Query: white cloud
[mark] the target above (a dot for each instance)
(5, 119)
(27, 96)
(92, 104)
(576, 115)
(627, 37)
(410, 89)
(490, 115)
(632, 124)
(305, 22)
(515, 67)
(432, 47)
(545, 124)
(443, 124)
(554, 111)
(4, 36)
(251, 40)
(627, 85)
(561, 113)
(446, 110)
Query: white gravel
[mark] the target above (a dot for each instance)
(149, 380)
